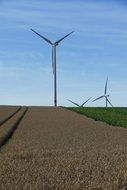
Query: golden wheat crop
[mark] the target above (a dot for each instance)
(57, 149)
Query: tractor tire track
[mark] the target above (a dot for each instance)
(9, 127)
(10, 116)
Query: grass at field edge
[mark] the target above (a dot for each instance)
(113, 116)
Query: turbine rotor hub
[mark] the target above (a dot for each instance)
(56, 44)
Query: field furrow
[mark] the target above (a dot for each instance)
(8, 114)
(10, 124)
(54, 148)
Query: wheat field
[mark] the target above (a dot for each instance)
(57, 149)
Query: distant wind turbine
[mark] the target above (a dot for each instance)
(105, 95)
(78, 104)
(54, 45)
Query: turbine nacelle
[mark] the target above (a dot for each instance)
(55, 44)
(106, 96)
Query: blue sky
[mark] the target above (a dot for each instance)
(97, 49)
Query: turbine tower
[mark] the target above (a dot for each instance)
(105, 95)
(78, 104)
(54, 45)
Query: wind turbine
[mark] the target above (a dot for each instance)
(105, 95)
(54, 45)
(78, 104)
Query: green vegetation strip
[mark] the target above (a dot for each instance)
(113, 116)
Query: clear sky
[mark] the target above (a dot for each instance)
(97, 49)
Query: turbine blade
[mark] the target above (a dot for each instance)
(42, 37)
(106, 86)
(86, 101)
(63, 37)
(98, 98)
(109, 102)
(73, 103)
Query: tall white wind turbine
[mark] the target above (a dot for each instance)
(105, 95)
(54, 45)
(78, 104)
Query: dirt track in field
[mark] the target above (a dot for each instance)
(54, 148)
(7, 112)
